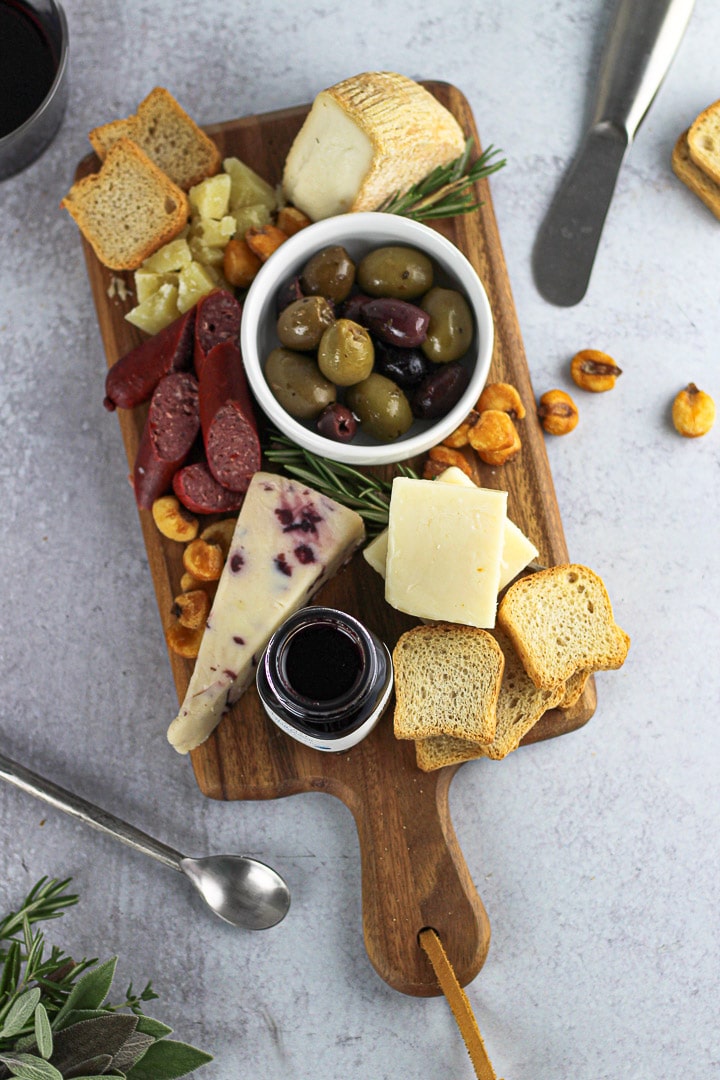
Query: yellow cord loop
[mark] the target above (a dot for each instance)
(458, 1002)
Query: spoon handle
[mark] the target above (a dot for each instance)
(85, 811)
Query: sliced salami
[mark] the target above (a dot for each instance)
(133, 378)
(232, 447)
(172, 424)
(218, 320)
(198, 490)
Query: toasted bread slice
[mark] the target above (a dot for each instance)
(703, 140)
(573, 689)
(699, 182)
(447, 680)
(520, 705)
(128, 209)
(560, 621)
(168, 136)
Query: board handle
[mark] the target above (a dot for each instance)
(414, 876)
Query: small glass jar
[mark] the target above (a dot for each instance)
(324, 678)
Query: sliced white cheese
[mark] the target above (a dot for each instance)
(517, 550)
(444, 551)
(289, 540)
(365, 139)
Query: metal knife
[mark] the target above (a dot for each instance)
(641, 44)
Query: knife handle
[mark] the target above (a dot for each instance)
(639, 49)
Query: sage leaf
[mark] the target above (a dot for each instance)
(90, 991)
(98, 1065)
(148, 1026)
(131, 1051)
(20, 1013)
(43, 1032)
(103, 1035)
(30, 1067)
(167, 1059)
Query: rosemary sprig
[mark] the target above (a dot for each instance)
(368, 495)
(445, 192)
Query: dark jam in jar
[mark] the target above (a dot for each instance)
(28, 65)
(322, 663)
(324, 678)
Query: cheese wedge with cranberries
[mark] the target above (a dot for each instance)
(289, 541)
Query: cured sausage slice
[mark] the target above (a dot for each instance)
(172, 424)
(198, 490)
(232, 447)
(217, 320)
(132, 379)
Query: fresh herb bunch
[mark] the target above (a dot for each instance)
(55, 1021)
(445, 192)
(368, 495)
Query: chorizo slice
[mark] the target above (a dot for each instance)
(217, 320)
(132, 379)
(172, 425)
(232, 446)
(198, 491)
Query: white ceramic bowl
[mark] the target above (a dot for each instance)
(360, 233)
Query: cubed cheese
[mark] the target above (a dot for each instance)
(289, 540)
(365, 139)
(444, 551)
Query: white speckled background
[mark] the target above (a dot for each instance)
(596, 854)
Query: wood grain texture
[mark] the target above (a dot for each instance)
(413, 872)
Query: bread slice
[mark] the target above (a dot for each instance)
(128, 209)
(169, 137)
(365, 139)
(694, 177)
(520, 705)
(447, 681)
(704, 141)
(560, 620)
(573, 689)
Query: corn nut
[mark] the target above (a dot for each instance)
(594, 371)
(173, 520)
(693, 412)
(557, 412)
(502, 396)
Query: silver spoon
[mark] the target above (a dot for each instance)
(241, 890)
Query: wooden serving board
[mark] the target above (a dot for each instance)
(413, 872)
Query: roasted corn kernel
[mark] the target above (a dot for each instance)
(291, 220)
(265, 239)
(459, 437)
(240, 264)
(446, 456)
(191, 609)
(693, 412)
(173, 520)
(494, 437)
(594, 371)
(203, 560)
(502, 396)
(557, 412)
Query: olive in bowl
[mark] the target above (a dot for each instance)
(359, 235)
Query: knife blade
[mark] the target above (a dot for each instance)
(639, 49)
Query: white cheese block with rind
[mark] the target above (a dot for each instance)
(289, 541)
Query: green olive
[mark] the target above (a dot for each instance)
(346, 354)
(450, 330)
(297, 383)
(329, 273)
(381, 406)
(399, 272)
(302, 323)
